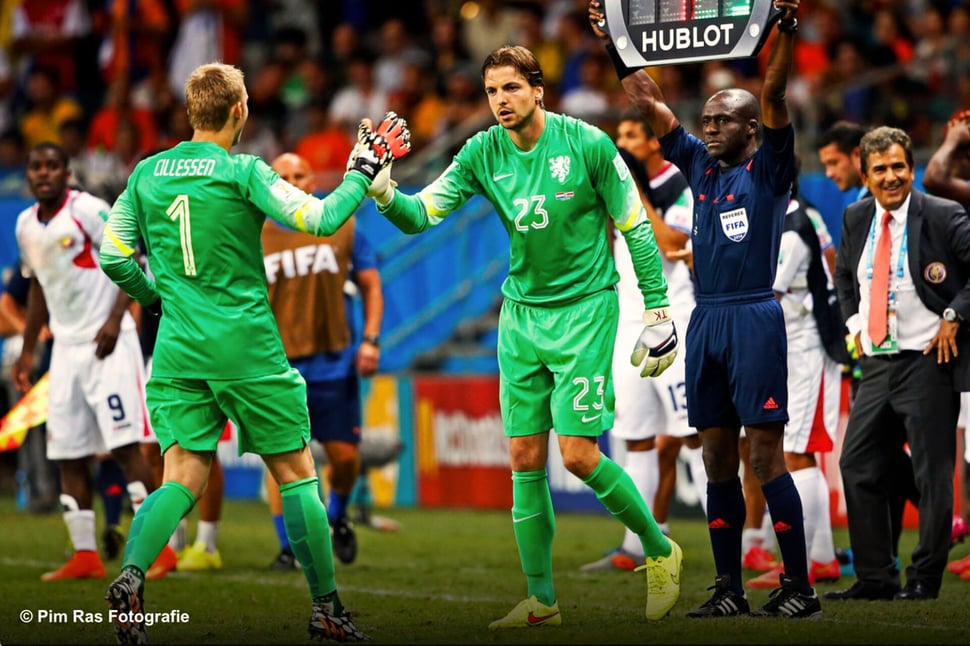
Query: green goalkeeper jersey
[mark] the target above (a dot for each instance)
(200, 212)
(553, 201)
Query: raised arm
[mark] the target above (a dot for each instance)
(946, 173)
(774, 108)
(642, 90)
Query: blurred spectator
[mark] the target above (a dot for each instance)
(447, 49)
(929, 57)
(819, 27)
(261, 138)
(841, 86)
(47, 109)
(326, 147)
(177, 128)
(7, 89)
(134, 39)
(302, 14)
(288, 83)
(590, 98)
(889, 31)
(576, 40)
(13, 156)
(439, 116)
(547, 51)
(209, 30)
(117, 108)
(360, 97)
(416, 84)
(488, 24)
(397, 52)
(107, 171)
(153, 93)
(344, 43)
(47, 33)
(74, 141)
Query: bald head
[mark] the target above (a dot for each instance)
(731, 120)
(739, 101)
(295, 170)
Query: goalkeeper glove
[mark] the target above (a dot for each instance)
(370, 154)
(657, 343)
(395, 131)
(382, 187)
(375, 150)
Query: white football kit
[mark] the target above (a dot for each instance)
(94, 404)
(646, 408)
(813, 377)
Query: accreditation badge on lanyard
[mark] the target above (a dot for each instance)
(891, 343)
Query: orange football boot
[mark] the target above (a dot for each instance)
(759, 559)
(830, 571)
(84, 564)
(959, 566)
(769, 579)
(165, 563)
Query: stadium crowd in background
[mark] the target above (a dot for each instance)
(314, 69)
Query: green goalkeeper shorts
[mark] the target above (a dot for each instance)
(270, 411)
(555, 366)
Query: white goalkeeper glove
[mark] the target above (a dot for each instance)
(382, 187)
(657, 343)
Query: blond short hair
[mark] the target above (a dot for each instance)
(210, 93)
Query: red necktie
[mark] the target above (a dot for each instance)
(879, 288)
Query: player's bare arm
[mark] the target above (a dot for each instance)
(639, 86)
(369, 353)
(107, 336)
(36, 318)
(774, 108)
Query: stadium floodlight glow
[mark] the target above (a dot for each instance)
(653, 32)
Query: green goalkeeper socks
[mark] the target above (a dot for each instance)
(306, 524)
(534, 524)
(155, 521)
(616, 490)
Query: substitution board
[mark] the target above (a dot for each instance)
(654, 32)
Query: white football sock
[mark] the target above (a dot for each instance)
(698, 475)
(804, 480)
(80, 527)
(750, 538)
(177, 540)
(208, 533)
(643, 470)
(823, 546)
(768, 533)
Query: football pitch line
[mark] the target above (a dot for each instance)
(296, 581)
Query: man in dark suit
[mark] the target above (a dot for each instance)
(903, 281)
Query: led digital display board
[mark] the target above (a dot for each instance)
(651, 32)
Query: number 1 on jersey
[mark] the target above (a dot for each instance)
(179, 210)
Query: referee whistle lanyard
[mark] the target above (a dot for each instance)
(891, 344)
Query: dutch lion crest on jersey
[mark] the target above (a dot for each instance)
(559, 167)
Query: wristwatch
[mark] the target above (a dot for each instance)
(373, 339)
(951, 315)
(788, 25)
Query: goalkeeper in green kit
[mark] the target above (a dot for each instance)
(555, 181)
(219, 355)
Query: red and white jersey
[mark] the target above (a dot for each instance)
(673, 201)
(63, 254)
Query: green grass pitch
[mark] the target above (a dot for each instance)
(440, 580)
